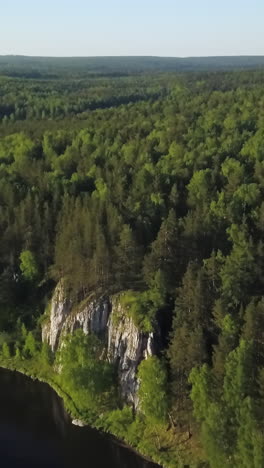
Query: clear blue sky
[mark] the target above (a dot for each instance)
(132, 27)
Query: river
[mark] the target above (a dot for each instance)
(36, 431)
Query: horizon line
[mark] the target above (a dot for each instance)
(133, 56)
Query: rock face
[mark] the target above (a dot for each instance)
(60, 309)
(78, 422)
(125, 344)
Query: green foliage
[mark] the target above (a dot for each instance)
(227, 339)
(6, 350)
(135, 432)
(83, 369)
(153, 390)
(150, 184)
(4, 338)
(101, 189)
(23, 332)
(239, 268)
(17, 353)
(227, 414)
(30, 347)
(143, 307)
(234, 172)
(28, 265)
(118, 421)
(199, 187)
(163, 255)
(46, 354)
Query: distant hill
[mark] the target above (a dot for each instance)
(36, 66)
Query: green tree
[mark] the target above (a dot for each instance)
(28, 265)
(164, 254)
(6, 351)
(30, 347)
(81, 364)
(238, 271)
(128, 260)
(46, 354)
(153, 390)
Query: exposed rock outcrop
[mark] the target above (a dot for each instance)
(125, 344)
(59, 311)
(78, 422)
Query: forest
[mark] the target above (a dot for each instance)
(151, 184)
(37, 67)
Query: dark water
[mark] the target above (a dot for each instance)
(35, 431)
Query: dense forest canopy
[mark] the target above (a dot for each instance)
(150, 184)
(36, 66)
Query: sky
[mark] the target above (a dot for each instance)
(176, 28)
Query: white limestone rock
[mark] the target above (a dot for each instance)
(125, 345)
(78, 422)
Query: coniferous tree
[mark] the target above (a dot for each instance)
(128, 260)
(164, 254)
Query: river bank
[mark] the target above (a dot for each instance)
(37, 431)
(176, 451)
(48, 376)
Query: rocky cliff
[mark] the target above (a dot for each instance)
(125, 344)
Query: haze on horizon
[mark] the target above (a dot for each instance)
(142, 27)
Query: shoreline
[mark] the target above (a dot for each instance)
(64, 396)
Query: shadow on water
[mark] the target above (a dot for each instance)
(35, 431)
